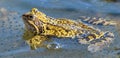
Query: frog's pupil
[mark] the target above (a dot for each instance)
(31, 17)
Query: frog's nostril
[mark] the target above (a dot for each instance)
(24, 16)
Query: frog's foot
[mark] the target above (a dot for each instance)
(98, 43)
(86, 38)
(103, 42)
(96, 21)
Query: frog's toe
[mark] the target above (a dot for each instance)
(109, 34)
(86, 38)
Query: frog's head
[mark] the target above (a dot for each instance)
(33, 20)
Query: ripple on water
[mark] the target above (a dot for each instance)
(11, 26)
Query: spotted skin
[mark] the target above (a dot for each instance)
(47, 27)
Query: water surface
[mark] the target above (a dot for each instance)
(11, 27)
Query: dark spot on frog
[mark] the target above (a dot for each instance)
(67, 30)
(37, 40)
(30, 41)
(47, 28)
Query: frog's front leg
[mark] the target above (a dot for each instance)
(37, 41)
(34, 41)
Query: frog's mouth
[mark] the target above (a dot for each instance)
(29, 24)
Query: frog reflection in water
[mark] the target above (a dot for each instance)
(40, 28)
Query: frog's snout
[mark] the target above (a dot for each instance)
(23, 16)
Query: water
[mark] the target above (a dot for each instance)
(11, 27)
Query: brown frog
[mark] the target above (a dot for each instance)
(40, 27)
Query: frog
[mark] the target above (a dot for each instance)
(40, 28)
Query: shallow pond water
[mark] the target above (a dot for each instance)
(12, 27)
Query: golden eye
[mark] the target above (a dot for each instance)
(31, 17)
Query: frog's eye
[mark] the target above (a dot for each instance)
(31, 17)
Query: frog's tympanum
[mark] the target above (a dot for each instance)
(40, 27)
